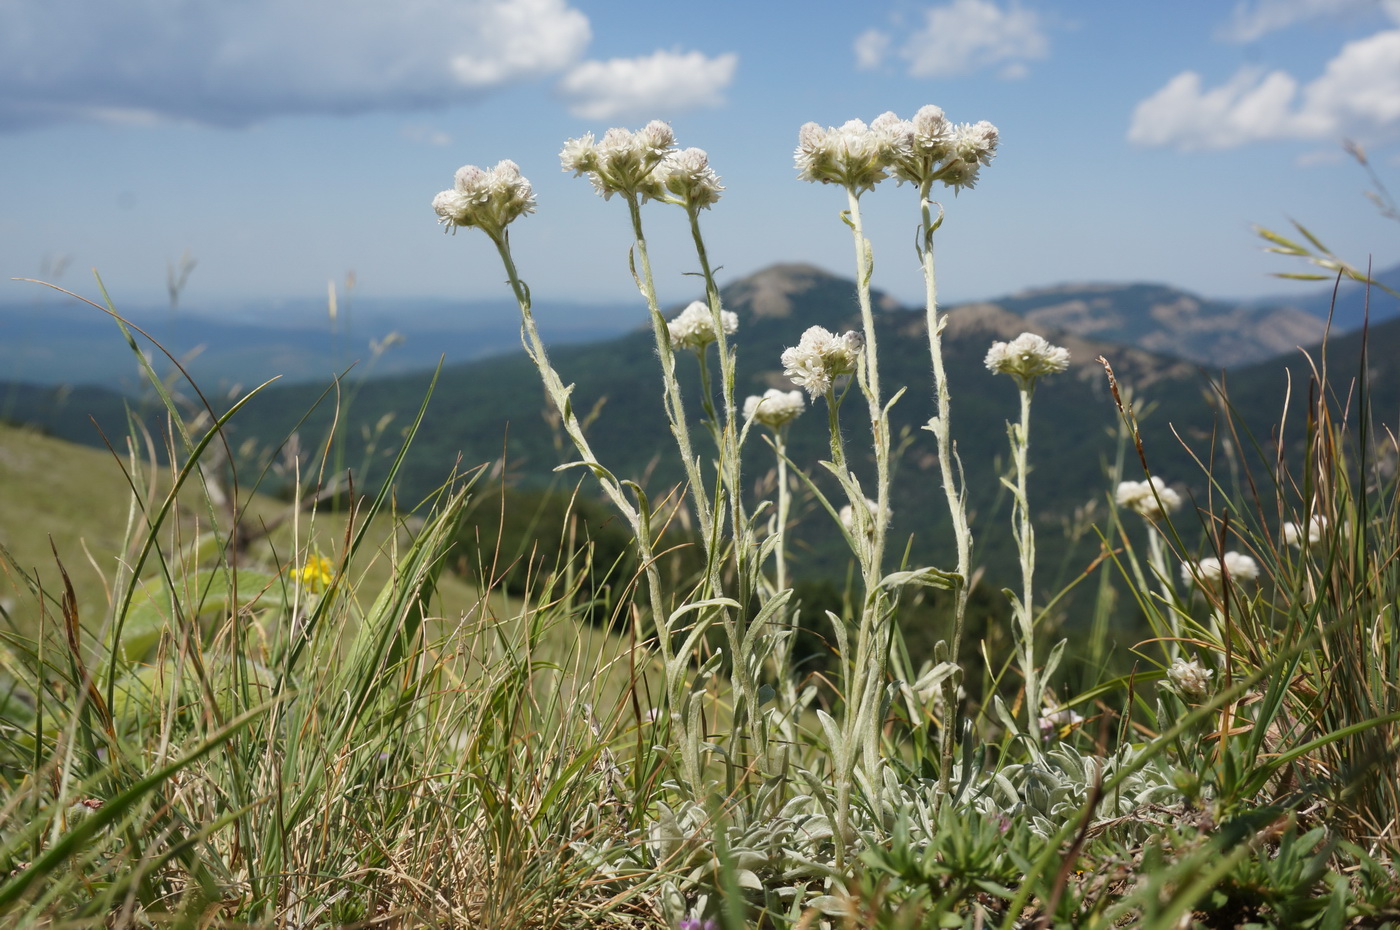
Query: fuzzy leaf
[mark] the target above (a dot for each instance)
(928, 577)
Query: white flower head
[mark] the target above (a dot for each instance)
(820, 357)
(487, 199)
(622, 162)
(852, 155)
(776, 408)
(972, 147)
(1210, 571)
(1189, 679)
(1295, 536)
(1151, 498)
(932, 131)
(694, 327)
(864, 519)
(929, 148)
(686, 177)
(1026, 358)
(580, 155)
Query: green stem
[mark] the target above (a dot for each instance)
(941, 427)
(1025, 542)
(872, 657)
(869, 378)
(782, 655)
(559, 395)
(784, 509)
(1157, 559)
(675, 408)
(746, 665)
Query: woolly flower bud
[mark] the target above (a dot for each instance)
(931, 128)
(1296, 536)
(687, 177)
(622, 161)
(489, 200)
(976, 142)
(1150, 498)
(694, 327)
(1210, 571)
(851, 155)
(863, 520)
(820, 357)
(775, 408)
(1189, 679)
(656, 136)
(1026, 358)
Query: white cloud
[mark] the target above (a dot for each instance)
(871, 47)
(651, 87)
(1252, 21)
(1357, 94)
(963, 37)
(236, 63)
(1361, 86)
(426, 135)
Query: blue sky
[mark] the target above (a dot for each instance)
(285, 143)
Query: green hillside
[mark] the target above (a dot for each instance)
(483, 411)
(71, 504)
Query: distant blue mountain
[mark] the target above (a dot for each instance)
(57, 340)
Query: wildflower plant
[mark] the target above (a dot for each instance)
(1027, 359)
(241, 738)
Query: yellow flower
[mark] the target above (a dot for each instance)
(315, 575)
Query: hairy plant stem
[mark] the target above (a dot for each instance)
(872, 654)
(869, 377)
(671, 396)
(746, 660)
(865, 670)
(709, 515)
(780, 580)
(639, 521)
(950, 469)
(781, 653)
(1024, 533)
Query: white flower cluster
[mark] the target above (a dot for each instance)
(487, 199)
(1210, 571)
(1026, 358)
(1294, 535)
(930, 148)
(645, 163)
(1189, 679)
(926, 148)
(775, 409)
(851, 155)
(820, 357)
(1151, 498)
(852, 520)
(694, 327)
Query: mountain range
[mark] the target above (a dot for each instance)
(1160, 342)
